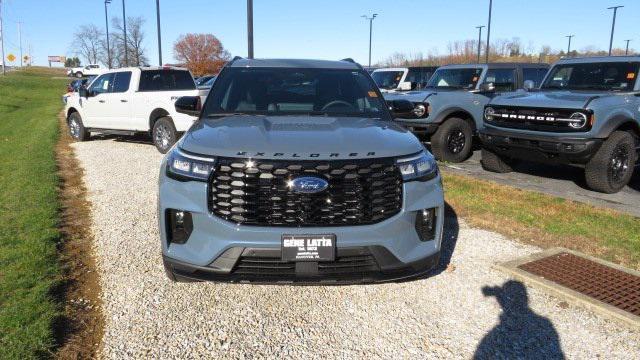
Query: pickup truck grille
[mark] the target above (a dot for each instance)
(360, 192)
(536, 119)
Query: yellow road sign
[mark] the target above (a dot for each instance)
(11, 57)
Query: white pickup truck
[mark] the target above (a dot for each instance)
(133, 100)
(91, 69)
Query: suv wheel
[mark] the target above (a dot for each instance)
(452, 141)
(78, 74)
(495, 163)
(164, 134)
(76, 127)
(611, 168)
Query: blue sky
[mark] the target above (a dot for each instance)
(328, 29)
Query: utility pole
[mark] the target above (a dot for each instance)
(106, 24)
(569, 46)
(250, 29)
(20, 40)
(124, 21)
(479, 40)
(613, 24)
(370, 18)
(159, 38)
(626, 51)
(4, 71)
(488, 32)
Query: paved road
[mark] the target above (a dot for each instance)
(564, 181)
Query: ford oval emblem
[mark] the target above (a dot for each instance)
(308, 185)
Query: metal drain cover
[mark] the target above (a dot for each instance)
(602, 285)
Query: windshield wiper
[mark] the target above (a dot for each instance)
(215, 115)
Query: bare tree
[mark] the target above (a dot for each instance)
(136, 52)
(87, 43)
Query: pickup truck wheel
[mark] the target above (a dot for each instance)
(611, 168)
(164, 134)
(79, 74)
(452, 141)
(76, 127)
(495, 163)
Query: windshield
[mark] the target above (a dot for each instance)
(456, 78)
(278, 91)
(388, 80)
(612, 76)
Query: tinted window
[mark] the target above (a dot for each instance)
(419, 77)
(612, 76)
(295, 91)
(503, 79)
(166, 80)
(456, 78)
(387, 80)
(121, 82)
(534, 74)
(102, 84)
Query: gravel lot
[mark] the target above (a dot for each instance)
(446, 315)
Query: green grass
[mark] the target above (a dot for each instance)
(546, 220)
(29, 268)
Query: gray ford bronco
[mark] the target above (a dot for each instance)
(295, 172)
(448, 111)
(586, 113)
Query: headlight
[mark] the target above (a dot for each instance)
(581, 120)
(184, 166)
(489, 113)
(421, 110)
(421, 167)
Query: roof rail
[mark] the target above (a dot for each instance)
(352, 61)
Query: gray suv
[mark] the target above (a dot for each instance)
(448, 111)
(586, 113)
(295, 172)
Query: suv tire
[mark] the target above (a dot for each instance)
(611, 168)
(78, 74)
(452, 141)
(76, 127)
(164, 134)
(495, 163)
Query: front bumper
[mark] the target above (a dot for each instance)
(539, 148)
(419, 127)
(216, 248)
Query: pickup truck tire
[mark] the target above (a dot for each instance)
(495, 163)
(611, 168)
(164, 134)
(78, 74)
(452, 141)
(76, 127)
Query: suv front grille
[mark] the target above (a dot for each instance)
(360, 192)
(536, 119)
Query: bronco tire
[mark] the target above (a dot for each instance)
(452, 141)
(164, 134)
(79, 74)
(76, 127)
(495, 163)
(611, 168)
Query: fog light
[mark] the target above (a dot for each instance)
(179, 226)
(426, 224)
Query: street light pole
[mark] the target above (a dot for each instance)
(479, 40)
(159, 38)
(4, 71)
(613, 24)
(370, 18)
(250, 28)
(626, 51)
(569, 46)
(106, 24)
(124, 21)
(20, 40)
(488, 31)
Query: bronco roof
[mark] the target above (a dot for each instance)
(582, 60)
(295, 63)
(494, 65)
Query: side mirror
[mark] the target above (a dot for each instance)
(488, 87)
(404, 86)
(401, 108)
(84, 92)
(528, 85)
(189, 105)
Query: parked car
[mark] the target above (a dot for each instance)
(91, 69)
(586, 113)
(403, 79)
(449, 111)
(203, 79)
(295, 172)
(131, 100)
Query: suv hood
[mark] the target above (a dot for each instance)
(413, 96)
(549, 99)
(299, 137)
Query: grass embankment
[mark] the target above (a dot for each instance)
(29, 268)
(544, 220)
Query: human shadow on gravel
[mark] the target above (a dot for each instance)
(521, 333)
